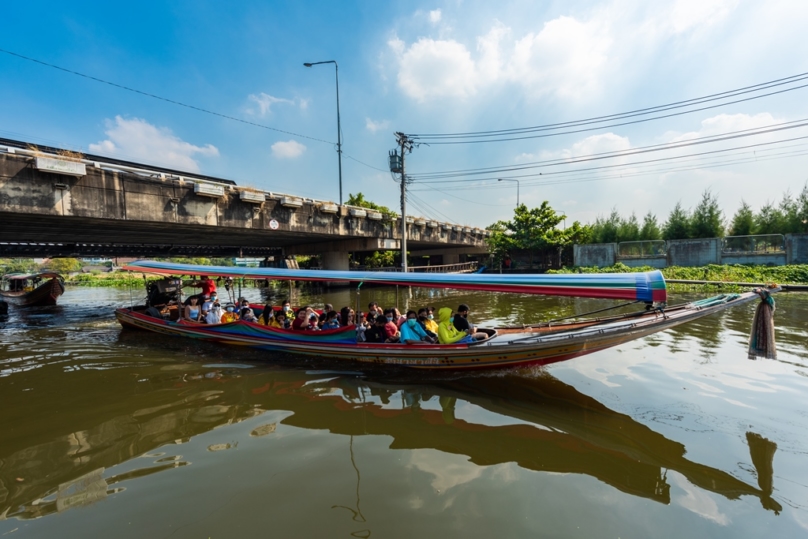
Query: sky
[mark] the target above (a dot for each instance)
(422, 68)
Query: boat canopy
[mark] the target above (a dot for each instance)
(647, 286)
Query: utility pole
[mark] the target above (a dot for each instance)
(397, 165)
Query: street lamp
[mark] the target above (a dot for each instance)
(517, 188)
(339, 130)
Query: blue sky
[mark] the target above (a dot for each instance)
(416, 67)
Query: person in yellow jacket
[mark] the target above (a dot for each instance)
(230, 315)
(429, 322)
(447, 333)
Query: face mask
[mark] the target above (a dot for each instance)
(286, 308)
(431, 317)
(230, 309)
(412, 322)
(389, 318)
(213, 297)
(451, 319)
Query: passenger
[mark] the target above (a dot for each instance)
(398, 318)
(447, 333)
(347, 317)
(301, 320)
(327, 308)
(214, 314)
(361, 328)
(247, 315)
(331, 320)
(430, 323)
(230, 314)
(192, 312)
(461, 323)
(207, 303)
(376, 333)
(208, 285)
(267, 315)
(280, 321)
(413, 333)
(314, 322)
(373, 307)
(286, 307)
(423, 320)
(391, 332)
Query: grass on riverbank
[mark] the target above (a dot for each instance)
(794, 274)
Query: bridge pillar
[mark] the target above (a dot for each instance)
(335, 260)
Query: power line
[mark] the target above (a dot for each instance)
(443, 177)
(167, 100)
(588, 177)
(661, 159)
(440, 138)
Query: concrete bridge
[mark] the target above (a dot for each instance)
(52, 204)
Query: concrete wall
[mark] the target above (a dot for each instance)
(698, 252)
(761, 259)
(796, 248)
(595, 254)
(653, 261)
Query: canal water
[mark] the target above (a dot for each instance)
(111, 433)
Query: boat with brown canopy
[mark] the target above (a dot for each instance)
(31, 289)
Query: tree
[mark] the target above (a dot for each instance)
(707, 220)
(360, 201)
(17, 265)
(628, 229)
(606, 230)
(743, 222)
(769, 220)
(531, 230)
(381, 259)
(64, 265)
(650, 228)
(677, 227)
(802, 210)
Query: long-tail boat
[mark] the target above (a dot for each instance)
(31, 289)
(507, 347)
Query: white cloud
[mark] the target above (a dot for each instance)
(138, 139)
(289, 149)
(569, 57)
(726, 123)
(265, 102)
(374, 126)
(591, 145)
(435, 68)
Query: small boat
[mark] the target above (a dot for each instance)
(501, 348)
(31, 289)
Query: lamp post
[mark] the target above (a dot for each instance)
(339, 130)
(517, 188)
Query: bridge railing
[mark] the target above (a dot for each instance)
(463, 267)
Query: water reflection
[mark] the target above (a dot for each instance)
(531, 419)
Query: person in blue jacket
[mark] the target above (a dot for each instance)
(412, 332)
